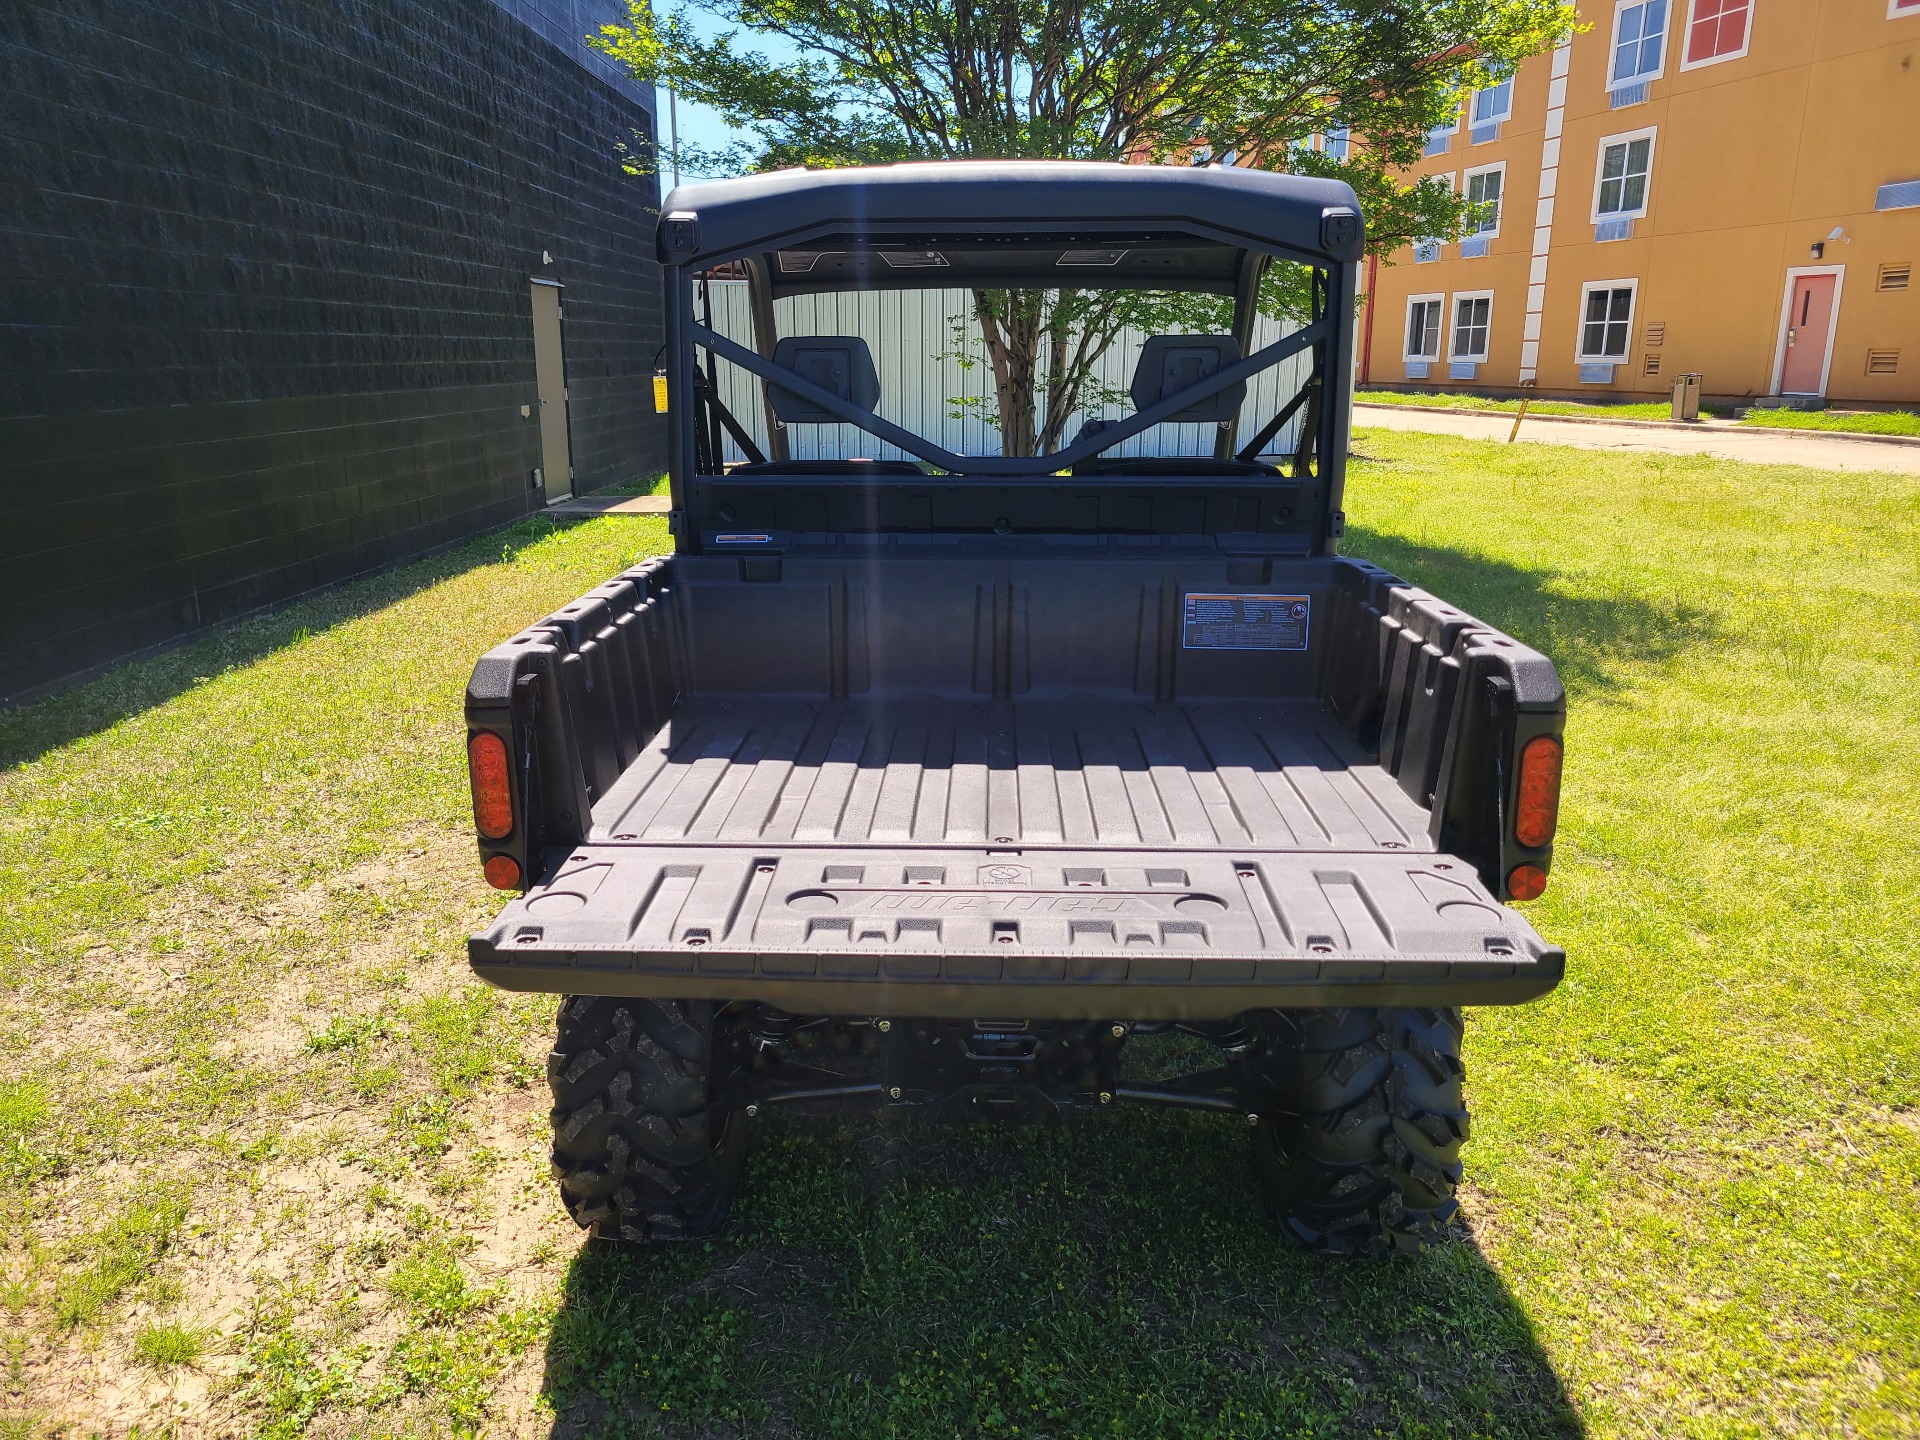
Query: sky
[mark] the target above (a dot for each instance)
(697, 124)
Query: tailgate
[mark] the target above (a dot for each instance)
(1036, 934)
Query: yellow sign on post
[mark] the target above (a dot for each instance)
(660, 393)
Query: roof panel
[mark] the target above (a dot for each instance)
(1000, 201)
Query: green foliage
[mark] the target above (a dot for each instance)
(120, 1255)
(1861, 422)
(430, 1284)
(1622, 410)
(166, 1345)
(1164, 81)
(886, 80)
(348, 1032)
(23, 1114)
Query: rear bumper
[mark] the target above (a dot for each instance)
(1033, 935)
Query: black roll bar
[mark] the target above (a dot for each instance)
(1010, 466)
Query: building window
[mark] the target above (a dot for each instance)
(1483, 199)
(1716, 30)
(1441, 136)
(1492, 104)
(1639, 42)
(1472, 320)
(1339, 141)
(1427, 248)
(1897, 8)
(1423, 327)
(1901, 195)
(1606, 321)
(1620, 181)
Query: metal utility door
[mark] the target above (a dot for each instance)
(1809, 319)
(550, 375)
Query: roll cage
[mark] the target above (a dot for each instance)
(999, 226)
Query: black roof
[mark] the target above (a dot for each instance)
(958, 209)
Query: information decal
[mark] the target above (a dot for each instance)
(1246, 622)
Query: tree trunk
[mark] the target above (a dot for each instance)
(1010, 326)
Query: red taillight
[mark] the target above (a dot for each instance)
(1536, 810)
(1524, 882)
(502, 872)
(492, 797)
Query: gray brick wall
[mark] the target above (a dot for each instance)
(266, 319)
(567, 23)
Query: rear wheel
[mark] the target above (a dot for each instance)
(1368, 1161)
(639, 1149)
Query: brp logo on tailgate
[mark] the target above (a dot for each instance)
(1004, 874)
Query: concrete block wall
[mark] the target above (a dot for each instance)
(267, 320)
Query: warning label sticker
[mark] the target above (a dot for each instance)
(1246, 622)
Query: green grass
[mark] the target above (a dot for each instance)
(646, 485)
(1886, 422)
(165, 1345)
(1625, 410)
(245, 1055)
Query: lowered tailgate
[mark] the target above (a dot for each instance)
(1028, 934)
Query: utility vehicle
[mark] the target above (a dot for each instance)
(920, 778)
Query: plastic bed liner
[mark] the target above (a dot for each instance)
(1083, 770)
(1084, 857)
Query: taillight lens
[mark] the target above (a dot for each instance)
(492, 796)
(502, 872)
(1524, 882)
(1537, 809)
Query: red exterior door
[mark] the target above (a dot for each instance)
(1808, 320)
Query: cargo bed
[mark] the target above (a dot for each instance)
(1096, 854)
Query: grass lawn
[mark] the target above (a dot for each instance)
(274, 1161)
(1885, 422)
(1652, 410)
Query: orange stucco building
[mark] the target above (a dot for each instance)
(1727, 187)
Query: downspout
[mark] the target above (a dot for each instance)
(1366, 339)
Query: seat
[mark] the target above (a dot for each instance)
(1169, 364)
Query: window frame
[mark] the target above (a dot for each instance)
(1475, 120)
(1649, 133)
(1500, 209)
(1896, 10)
(1625, 357)
(1453, 326)
(1449, 130)
(1746, 41)
(1345, 141)
(1613, 48)
(1425, 297)
(1450, 179)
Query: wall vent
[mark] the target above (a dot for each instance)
(1653, 364)
(1883, 362)
(1895, 277)
(1656, 332)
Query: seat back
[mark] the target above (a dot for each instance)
(1172, 363)
(841, 364)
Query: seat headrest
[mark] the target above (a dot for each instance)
(1171, 363)
(840, 363)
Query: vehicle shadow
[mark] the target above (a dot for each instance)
(30, 730)
(1116, 1276)
(1589, 637)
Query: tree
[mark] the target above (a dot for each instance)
(1138, 80)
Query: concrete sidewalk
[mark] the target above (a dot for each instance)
(1817, 449)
